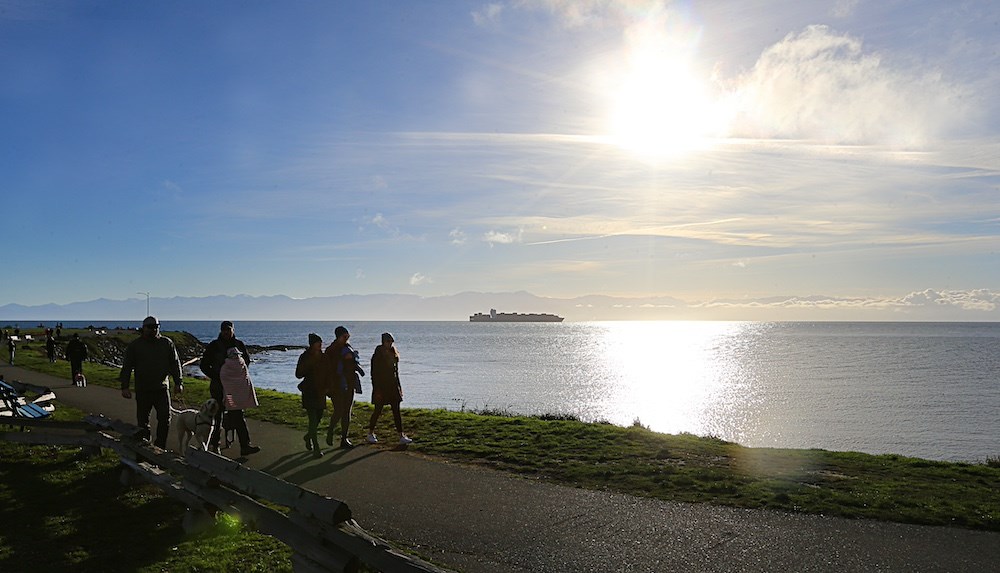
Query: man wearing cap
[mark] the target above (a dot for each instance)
(211, 364)
(76, 353)
(344, 360)
(153, 358)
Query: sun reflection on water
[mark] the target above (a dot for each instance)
(681, 376)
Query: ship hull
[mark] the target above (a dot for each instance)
(514, 317)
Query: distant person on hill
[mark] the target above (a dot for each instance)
(153, 358)
(344, 360)
(11, 347)
(386, 388)
(237, 388)
(317, 374)
(50, 348)
(211, 364)
(76, 353)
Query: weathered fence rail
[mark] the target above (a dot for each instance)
(318, 528)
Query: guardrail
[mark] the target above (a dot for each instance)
(318, 528)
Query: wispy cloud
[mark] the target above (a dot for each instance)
(418, 279)
(487, 14)
(977, 300)
(495, 237)
(821, 85)
(457, 236)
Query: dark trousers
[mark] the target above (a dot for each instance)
(377, 411)
(75, 367)
(147, 400)
(342, 404)
(315, 416)
(227, 419)
(233, 419)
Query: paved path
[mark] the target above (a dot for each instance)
(479, 520)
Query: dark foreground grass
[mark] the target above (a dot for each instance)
(61, 511)
(682, 467)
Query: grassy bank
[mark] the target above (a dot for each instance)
(682, 467)
(61, 511)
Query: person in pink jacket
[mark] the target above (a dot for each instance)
(238, 394)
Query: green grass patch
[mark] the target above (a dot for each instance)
(62, 511)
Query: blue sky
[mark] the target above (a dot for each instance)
(717, 152)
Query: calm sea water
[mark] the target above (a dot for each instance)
(929, 390)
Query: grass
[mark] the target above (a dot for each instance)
(683, 467)
(61, 511)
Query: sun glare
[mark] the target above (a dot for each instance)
(660, 105)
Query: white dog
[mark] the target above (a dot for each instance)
(195, 423)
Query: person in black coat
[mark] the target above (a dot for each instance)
(211, 364)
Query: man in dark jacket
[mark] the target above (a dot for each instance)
(344, 361)
(153, 358)
(211, 364)
(76, 353)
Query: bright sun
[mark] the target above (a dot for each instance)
(660, 106)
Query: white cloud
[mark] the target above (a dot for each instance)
(457, 236)
(824, 86)
(979, 299)
(976, 300)
(575, 13)
(487, 14)
(496, 237)
(844, 8)
(419, 279)
(172, 188)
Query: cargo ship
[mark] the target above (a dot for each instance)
(495, 316)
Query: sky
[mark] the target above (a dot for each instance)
(742, 152)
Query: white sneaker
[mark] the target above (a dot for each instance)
(372, 439)
(403, 440)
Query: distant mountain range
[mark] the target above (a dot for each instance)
(342, 307)
(979, 305)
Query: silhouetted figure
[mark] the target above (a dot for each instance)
(153, 358)
(211, 364)
(345, 384)
(76, 353)
(317, 374)
(386, 388)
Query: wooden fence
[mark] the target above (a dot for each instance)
(319, 529)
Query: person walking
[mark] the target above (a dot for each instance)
(317, 373)
(211, 364)
(237, 388)
(76, 353)
(346, 383)
(386, 388)
(153, 358)
(11, 347)
(50, 347)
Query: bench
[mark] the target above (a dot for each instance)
(14, 405)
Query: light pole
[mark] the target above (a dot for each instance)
(147, 301)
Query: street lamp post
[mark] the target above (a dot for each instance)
(147, 301)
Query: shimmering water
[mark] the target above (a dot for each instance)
(930, 390)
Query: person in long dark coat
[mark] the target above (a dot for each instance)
(386, 388)
(316, 372)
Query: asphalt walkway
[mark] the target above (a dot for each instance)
(479, 520)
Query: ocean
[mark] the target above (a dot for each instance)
(929, 390)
